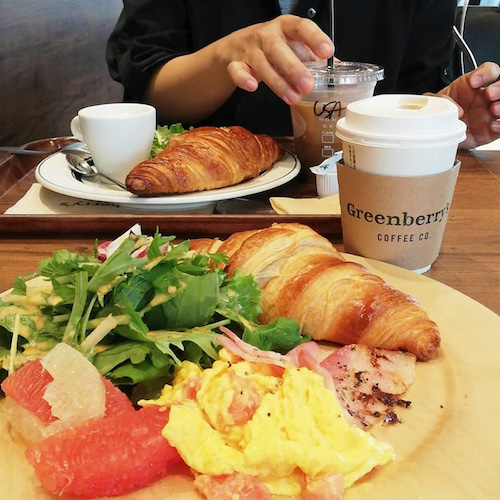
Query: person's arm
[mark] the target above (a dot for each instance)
(191, 87)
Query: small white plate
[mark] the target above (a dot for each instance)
(54, 173)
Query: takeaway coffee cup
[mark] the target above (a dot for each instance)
(118, 135)
(398, 175)
(315, 117)
(401, 135)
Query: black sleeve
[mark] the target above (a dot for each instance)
(147, 34)
(411, 39)
(429, 47)
(151, 32)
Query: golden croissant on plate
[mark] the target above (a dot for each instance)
(205, 158)
(302, 276)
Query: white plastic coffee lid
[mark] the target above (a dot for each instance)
(394, 120)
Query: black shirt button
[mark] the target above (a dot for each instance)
(311, 13)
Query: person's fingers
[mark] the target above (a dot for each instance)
(274, 53)
(296, 41)
(308, 33)
(281, 63)
(285, 81)
(495, 109)
(241, 75)
(493, 92)
(485, 74)
(303, 52)
(494, 96)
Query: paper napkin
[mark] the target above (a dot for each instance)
(41, 201)
(492, 146)
(329, 205)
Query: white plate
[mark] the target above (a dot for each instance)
(54, 174)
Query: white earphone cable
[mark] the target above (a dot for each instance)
(459, 37)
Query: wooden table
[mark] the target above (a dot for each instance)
(469, 260)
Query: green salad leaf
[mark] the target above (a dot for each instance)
(162, 136)
(151, 304)
(281, 335)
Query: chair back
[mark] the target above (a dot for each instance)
(52, 63)
(481, 33)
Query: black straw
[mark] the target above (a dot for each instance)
(331, 62)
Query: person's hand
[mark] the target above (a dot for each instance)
(273, 53)
(478, 100)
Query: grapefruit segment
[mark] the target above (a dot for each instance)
(76, 394)
(27, 385)
(105, 457)
(116, 401)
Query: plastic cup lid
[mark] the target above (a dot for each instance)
(394, 119)
(347, 72)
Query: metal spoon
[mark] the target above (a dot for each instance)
(74, 147)
(84, 165)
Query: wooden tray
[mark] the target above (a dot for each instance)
(253, 212)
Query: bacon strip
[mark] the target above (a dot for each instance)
(309, 355)
(248, 352)
(231, 487)
(369, 381)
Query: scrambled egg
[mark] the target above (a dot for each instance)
(273, 423)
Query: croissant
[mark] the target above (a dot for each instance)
(302, 276)
(205, 158)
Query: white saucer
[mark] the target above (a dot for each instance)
(54, 173)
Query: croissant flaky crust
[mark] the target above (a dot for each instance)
(205, 158)
(302, 276)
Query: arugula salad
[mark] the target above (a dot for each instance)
(136, 308)
(162, 136)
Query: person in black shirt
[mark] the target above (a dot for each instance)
(224, 62)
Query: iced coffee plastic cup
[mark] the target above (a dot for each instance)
(398, 175)
(315, 117)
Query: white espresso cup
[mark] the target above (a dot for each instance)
(118, 135)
